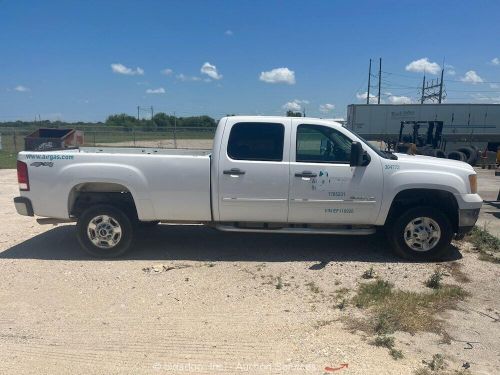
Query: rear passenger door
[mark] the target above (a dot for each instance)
(254, 171)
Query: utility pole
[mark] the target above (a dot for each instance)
(379, 78)
(369, 78)
(175, 131)
(152, 113)
(138, 109)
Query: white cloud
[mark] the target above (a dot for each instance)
(295, 105)
(450, 69)
(373, 98)
(185, 78)
(229, 32)
(325, 108)
(278, 75)
(21, 88)
(159, 90)
(495, 61)
(486, 99)
(211, 71)
(423, 65)
(122, 69)
(393, 99)
(166, 72)
(494, 85)
(471, 77)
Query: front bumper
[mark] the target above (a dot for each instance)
(23, 206)
(468, 213)
(466, 220)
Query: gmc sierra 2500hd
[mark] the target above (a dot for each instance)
(264, 174)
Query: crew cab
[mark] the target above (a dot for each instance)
(264, 174)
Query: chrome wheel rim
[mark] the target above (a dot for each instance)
(104, 231)
(422, 234)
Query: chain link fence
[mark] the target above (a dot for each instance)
(12, 138)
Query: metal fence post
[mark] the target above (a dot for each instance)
(15, 141)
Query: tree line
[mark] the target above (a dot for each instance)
(159, 121)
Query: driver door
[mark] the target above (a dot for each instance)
(324, 188)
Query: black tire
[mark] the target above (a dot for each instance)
(117, 217)
(427, 151)
(439, 154)
(470, 154)
(457, 155)
(397, 233)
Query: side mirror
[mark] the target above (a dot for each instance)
(356, 154)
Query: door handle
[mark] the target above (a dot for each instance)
(233, 171)
(306, 174)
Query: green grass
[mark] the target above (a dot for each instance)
(368, 274)
(7, 160)
(372, 293)
(434, 281)
(388, 342)
(279, 283)
(392, 310)
(313, 287)
(437, 366)
(486, 244)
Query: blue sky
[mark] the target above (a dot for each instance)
(57, 57)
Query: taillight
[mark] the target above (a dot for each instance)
(22, 176)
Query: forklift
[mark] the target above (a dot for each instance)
(432, 143)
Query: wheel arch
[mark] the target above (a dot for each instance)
(87, 194)
(420, 197)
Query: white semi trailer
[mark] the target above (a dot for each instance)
(463, 124)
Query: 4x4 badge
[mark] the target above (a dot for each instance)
(42, 164)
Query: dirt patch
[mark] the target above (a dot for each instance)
(229, 303)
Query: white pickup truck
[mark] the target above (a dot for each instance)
(264, 174)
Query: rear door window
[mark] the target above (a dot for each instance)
(256, 141)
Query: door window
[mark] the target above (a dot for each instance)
(256, 141)
(322, 144)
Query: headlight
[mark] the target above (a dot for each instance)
(473, 183)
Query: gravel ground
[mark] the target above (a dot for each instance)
(193, 300)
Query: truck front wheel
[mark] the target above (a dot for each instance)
(421, 233)
(104, 231)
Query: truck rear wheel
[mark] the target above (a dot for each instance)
(104, 231)
(421, 233)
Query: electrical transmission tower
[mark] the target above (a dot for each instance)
(148, 110)
(433, 92)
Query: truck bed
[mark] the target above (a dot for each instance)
(166, 184)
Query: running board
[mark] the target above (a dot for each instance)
(53, 221)
(337, 231)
